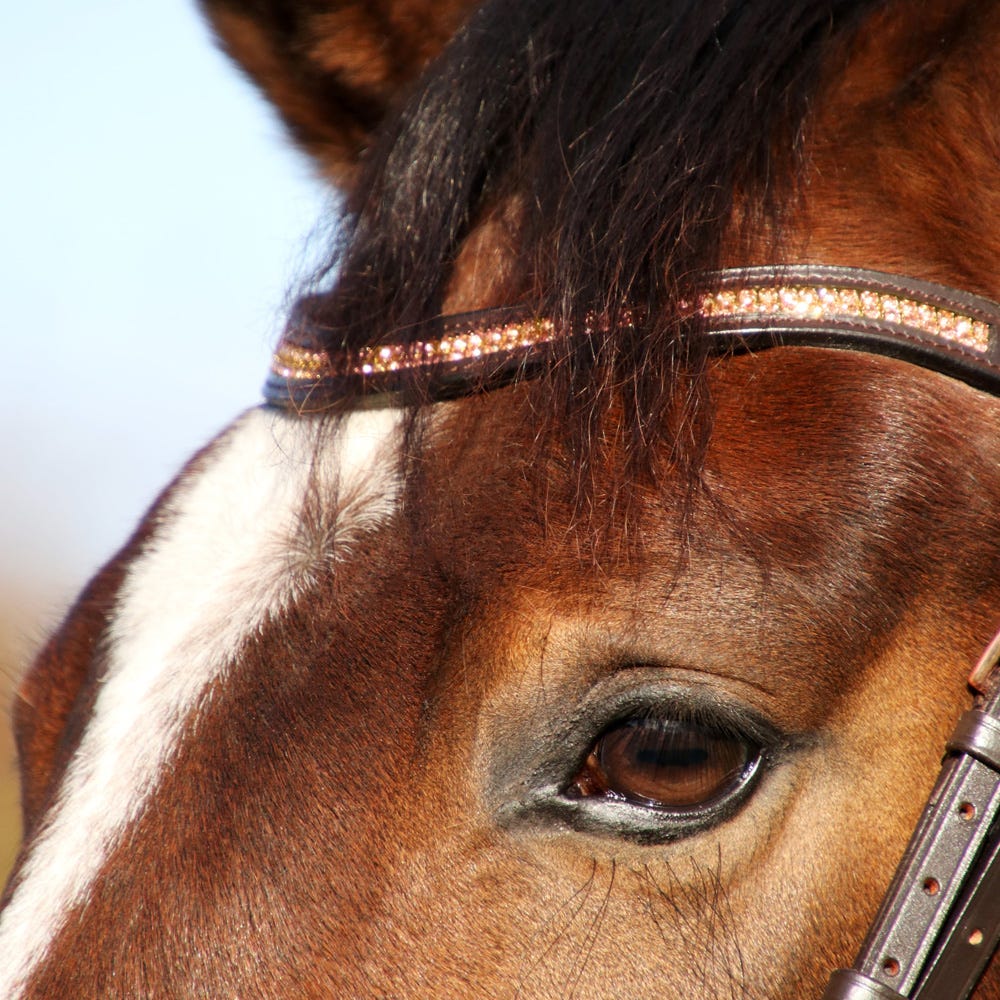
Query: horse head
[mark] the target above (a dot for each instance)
(580, 617)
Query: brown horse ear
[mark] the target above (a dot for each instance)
(334, 67)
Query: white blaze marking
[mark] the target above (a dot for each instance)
(211, 575)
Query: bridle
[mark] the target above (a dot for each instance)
(939, 923)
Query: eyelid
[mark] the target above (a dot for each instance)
(534, 761)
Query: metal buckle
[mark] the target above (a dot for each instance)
(939, 922)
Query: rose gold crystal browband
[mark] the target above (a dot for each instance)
(746, 309)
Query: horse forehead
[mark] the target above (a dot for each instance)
(831, 478)
(219, 563)
(795, 432)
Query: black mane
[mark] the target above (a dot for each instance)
(627, 130)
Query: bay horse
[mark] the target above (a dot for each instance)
(585, 613)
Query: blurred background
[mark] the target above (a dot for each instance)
(153, 220)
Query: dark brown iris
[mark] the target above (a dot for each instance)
(665, 763)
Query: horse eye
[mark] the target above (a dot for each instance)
(666, 764)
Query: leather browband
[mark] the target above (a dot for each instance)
(746, 309)
(939, 923)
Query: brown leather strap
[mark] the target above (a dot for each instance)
(939, 923)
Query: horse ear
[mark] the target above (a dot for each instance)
(333, 68)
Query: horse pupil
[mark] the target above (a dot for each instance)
(672, 756)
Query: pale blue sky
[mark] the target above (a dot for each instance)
(152, 219)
